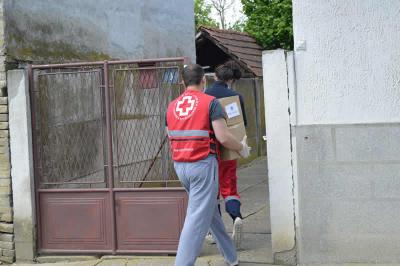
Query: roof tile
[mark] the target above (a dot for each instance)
(239, 44)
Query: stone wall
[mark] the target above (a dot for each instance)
(7, 252)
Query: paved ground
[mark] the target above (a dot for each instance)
(256, 247)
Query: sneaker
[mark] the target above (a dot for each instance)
(209, 239)
(236, 263)
(237, 231)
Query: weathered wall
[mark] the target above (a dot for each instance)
(347, 130)
(69, 30)
(279, 150)
(349, 72)
(22, 165)
(7, 251)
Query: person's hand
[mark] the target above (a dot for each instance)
(245, 152)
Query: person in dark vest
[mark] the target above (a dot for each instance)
(196, 127)
(226, 75)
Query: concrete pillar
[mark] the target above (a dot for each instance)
(21, 165)
(280, 173)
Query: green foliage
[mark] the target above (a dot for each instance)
(202, 15)
(270, 22)
(238, 26)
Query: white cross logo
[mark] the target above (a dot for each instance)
(184, 106)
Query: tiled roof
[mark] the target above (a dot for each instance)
(239, 45)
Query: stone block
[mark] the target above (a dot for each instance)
(3, 100)
(6, 237)
(6, 227)
(9, 252)
(7, 259)
(3, 125)
(4, 158)
(5, 161)
(5, 182)
(4, 141)
(5, 173)
(6, 214)
(4, 149)
(314, 144)
(5, 201)
(4, 134)
(4, 117)
(368, 143)
(6, 245)
(330, 230)
(387, 184)
(333, 180)
(5, 190)
(3, 109)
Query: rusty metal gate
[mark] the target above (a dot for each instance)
(103, 175)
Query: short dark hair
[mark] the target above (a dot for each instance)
(224, 73)
(227, 71)
(192, 75)
(237, 73)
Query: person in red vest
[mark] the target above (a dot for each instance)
(196, 127)
(226, 74)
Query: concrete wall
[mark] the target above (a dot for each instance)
(346, 131)
(349, 71)
(7, 251)
(279, 150)
(22, 165)
(70, 30)
(349, 196)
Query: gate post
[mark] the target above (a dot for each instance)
(21, 164)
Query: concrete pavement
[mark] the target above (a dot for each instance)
(256, 242)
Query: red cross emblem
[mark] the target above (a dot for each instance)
(186, 106)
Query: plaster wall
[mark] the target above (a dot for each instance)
(70, 30)
(279, 157)
(345, 131)
(347, 61)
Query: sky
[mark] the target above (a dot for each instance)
(233, 14)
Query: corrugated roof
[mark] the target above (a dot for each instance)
(239, 45)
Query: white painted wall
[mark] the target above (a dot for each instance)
(21, 165)
(348, 72)
(278, 149)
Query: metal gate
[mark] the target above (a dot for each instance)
(104, 179)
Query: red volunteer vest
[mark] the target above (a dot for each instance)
(189, 130)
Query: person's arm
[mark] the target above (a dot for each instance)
(224, 136)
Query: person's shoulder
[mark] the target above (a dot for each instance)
(210, 91)
(209, 96)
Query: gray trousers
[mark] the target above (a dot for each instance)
(200, 179)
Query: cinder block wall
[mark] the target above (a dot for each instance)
(7, 252)
(347, 131)
(349, 193)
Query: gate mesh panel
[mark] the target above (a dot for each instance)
(69, 128)
(70, 137)
(140, 98)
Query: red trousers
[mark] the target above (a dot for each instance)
(228, 180)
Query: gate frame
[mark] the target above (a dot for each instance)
(108, 142)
